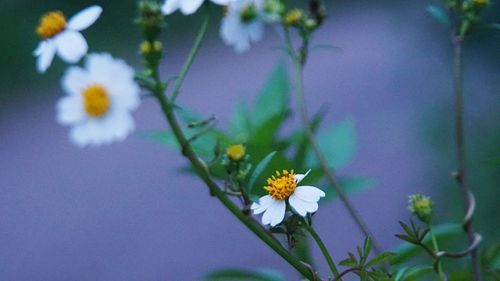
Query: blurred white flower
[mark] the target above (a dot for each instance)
(243, 24)
(99, 100)
(303, 199)
(63, 37)
(187, 7)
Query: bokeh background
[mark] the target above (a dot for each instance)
(124, 212)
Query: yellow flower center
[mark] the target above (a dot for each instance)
(235, 152)
(281, 186)
(96, 100)
(51, 24)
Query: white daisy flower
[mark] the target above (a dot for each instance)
(187, 7)
(282, 187)
(99, 100)
(243, 24)
(63, 37)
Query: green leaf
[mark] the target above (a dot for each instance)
(273, 98)
(417, 273)
(439, 13)
(406, 251)
(258, 170)
(367, 246)
(349, 185)
(380, 259)
(240, 123)
(265, 134)
(337, 145)
(244, 275)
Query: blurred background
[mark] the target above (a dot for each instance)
(124, 212)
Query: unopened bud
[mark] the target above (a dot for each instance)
(421, 206)
(235, 152)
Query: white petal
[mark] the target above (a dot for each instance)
(262, 205)
(275, 213)
(221, 2)
(71, 46)
(295, 202)
(84, 18)
(279, 213)
(190, 6)
(70, 110)
(309, 193)
(300, 177)
(45, 54)
(75, 80)
(170, 6)
(310, 207)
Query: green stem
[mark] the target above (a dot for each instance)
(192, 54)
(323, 249)
(440, 272)
(332, 179)
(201, 169)
(461, 175)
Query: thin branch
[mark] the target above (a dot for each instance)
(332, 179)
(461, 175)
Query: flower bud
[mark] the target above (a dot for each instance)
(294, 17)
(235, 152)
(421, 206)
(150, 19)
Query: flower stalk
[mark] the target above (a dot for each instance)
(167, 105)
(461, 173)
(299, 59)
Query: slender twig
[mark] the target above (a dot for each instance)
(190, 58)
(323, 249)
(345, 272)
(201, 169)
(461, 174)
(439, 266)
(332, 179)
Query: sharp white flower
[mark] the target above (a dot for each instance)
(243, 24)
(282, 187)
(187, 7)
(99, 100)
(63, 37)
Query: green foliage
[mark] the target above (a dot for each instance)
(258, 171)
(413, 273)
(406, 250)
(365, 268)
(337, 144)
(244, 275)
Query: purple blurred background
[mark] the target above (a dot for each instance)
(123, 212)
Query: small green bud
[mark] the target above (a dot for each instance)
(421, 206)
(150, 19)
(274, 7)
(248, 13)
(294, 17)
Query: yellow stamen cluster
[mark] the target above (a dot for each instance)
(51, 24)
(147, 47)
(96, 100)
(281, 186)
(235, 152)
